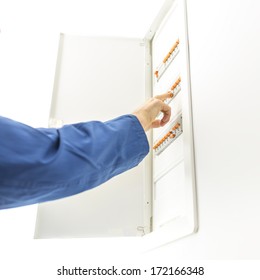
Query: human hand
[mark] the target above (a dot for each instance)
(149, 111)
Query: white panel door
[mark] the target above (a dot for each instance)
(98, 79)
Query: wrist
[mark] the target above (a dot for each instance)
(142, 120)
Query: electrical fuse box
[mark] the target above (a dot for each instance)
(174, 196)
(157, 198)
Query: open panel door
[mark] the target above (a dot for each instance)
(99, 79)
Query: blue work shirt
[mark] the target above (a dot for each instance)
(38, 165)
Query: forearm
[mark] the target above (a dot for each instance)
(39, 165)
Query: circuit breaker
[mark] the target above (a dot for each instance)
(157, 198)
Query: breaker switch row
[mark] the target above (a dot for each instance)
(168, 138)
(174, 90)
(172, 50)
(176, 84)
(167, 60)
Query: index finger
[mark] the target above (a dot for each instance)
(164, 96)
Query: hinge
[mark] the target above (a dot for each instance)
(142, 229)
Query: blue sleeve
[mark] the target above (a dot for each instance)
(38, 165)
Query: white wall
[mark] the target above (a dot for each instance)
(225, 71)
